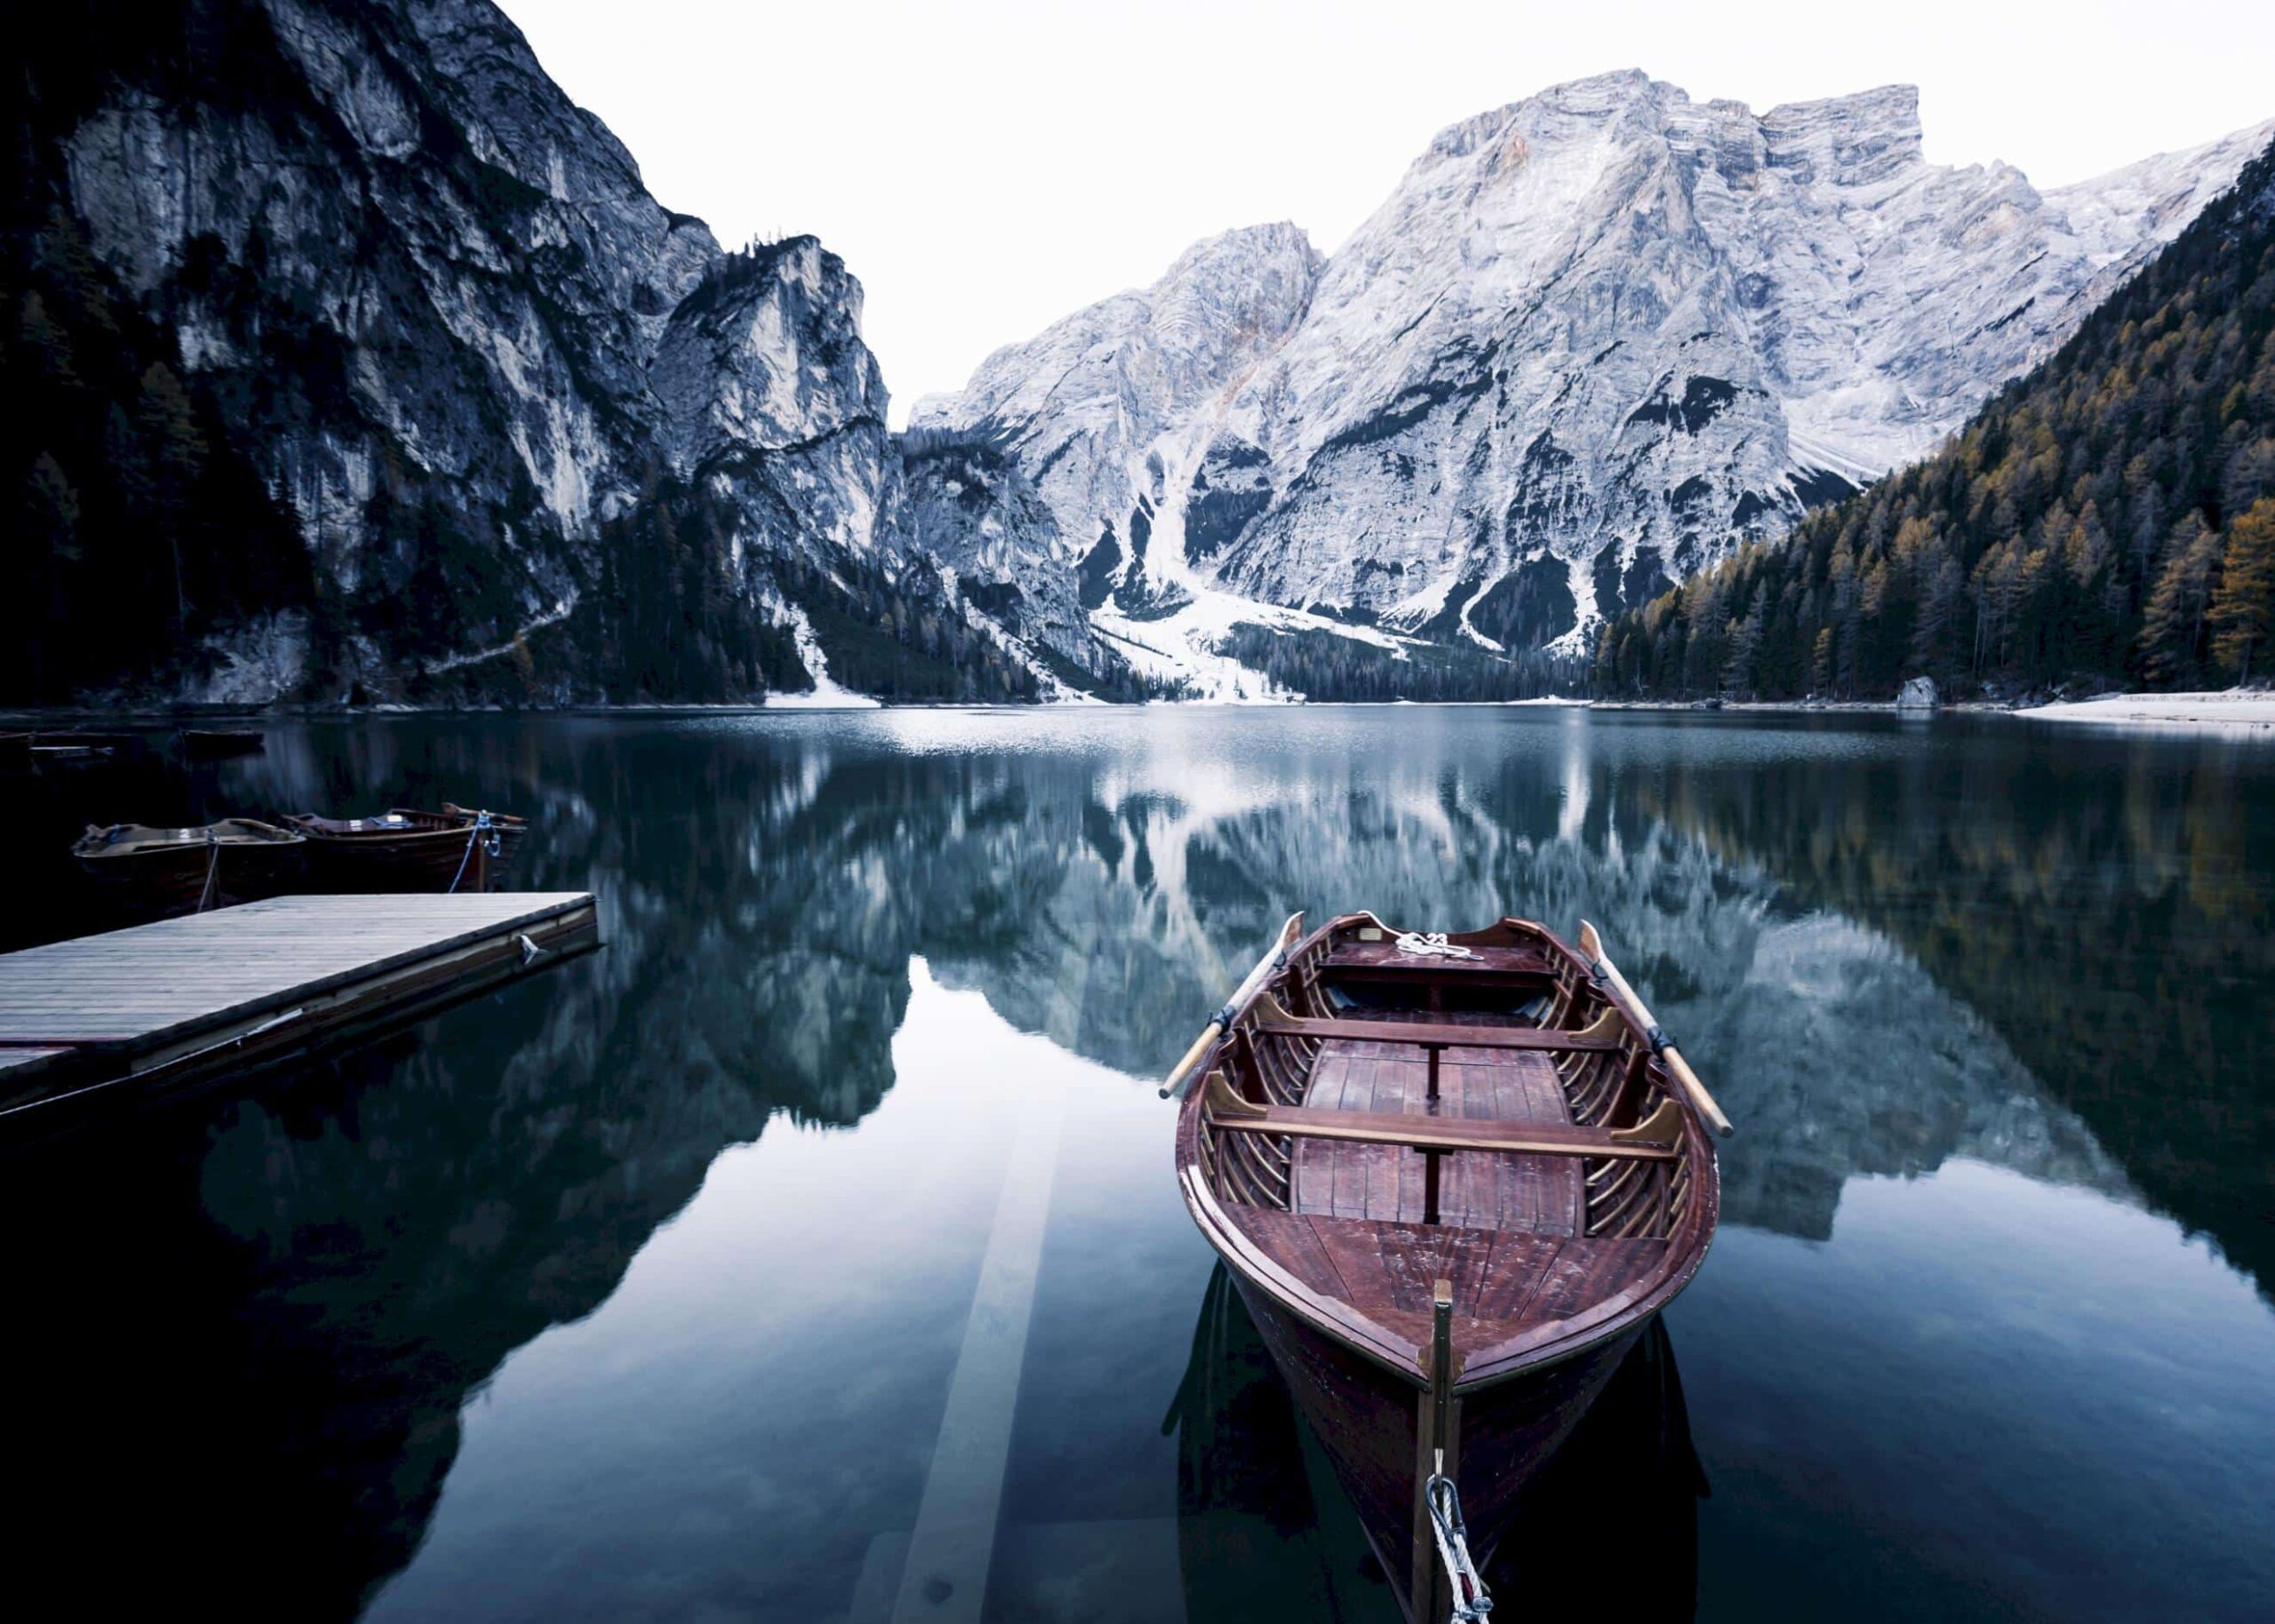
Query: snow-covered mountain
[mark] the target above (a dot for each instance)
(1593, 339)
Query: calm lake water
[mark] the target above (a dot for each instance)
(636, 1291)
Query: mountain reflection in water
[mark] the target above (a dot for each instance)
(265, 1319)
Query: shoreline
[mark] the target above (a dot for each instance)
(2222, 711)
(38, 720)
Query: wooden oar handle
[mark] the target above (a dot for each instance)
(1701, 1101)
(1697, 1090)
(1184, 1068)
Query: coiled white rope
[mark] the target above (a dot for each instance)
(1432, 946)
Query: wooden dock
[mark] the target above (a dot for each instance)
(182, 1000)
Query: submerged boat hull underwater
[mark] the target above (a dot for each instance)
(1262, 1534)
(1455, 1181)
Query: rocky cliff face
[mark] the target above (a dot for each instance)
(497, 387)
(1592, 340)
(1111, 412)
(974, 509)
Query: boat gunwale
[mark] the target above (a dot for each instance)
(454, 823)
(276, 837)
(1539, 1345)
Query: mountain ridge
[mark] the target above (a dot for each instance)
(356, 364)
(1592, 340)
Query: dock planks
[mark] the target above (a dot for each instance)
(237, 986)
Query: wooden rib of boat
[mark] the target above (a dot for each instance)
(216, 744)
(403, 849)
(1372, 1125)
(237, 859)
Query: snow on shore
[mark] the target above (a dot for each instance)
(2235, 707)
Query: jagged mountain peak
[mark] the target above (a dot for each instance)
(1106, 411)
(1592, 340)
(1192, 321)
(1859, 137)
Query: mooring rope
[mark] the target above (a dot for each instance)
(497, 842)
(1432, 946)
(1471, 1601)
(212, 867)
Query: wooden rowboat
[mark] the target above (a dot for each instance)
(1453, 1185)
(402, 849)
(156, 870)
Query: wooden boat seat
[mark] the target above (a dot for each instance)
(1652, 1140)
(1349, 1177)
(1272, 1020)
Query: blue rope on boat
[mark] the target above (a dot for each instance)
(496, 844)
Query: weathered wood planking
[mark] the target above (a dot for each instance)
(236, 986)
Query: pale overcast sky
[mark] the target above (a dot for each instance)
(986, 168)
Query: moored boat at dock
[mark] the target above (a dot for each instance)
(1454, 1178)
(155, 871)
(403, 849)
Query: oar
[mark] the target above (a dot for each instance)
(1181, 1073)
(1702, 1102)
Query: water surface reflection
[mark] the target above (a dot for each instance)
(634, 1291)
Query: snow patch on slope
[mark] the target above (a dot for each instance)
(1188, 647)
(826, 695)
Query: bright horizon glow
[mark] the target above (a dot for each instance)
(988, 168)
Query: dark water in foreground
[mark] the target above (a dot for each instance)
(636, 1291)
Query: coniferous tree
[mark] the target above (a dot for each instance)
(44, 548)
(2057, 539)
(175, 455)
(2172, 627)
(2242, 615)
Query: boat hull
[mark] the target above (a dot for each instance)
(1471, 1154)
(1368, 1419)
(174, 878)
(416, 860)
